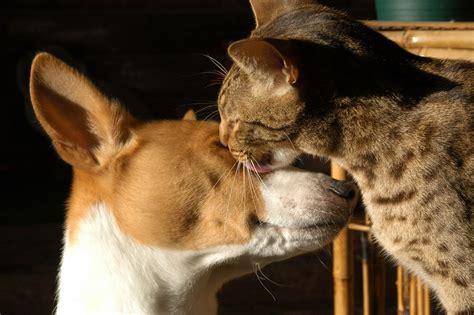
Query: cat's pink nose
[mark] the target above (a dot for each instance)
(224, 133)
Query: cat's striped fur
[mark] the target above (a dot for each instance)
(313, 80)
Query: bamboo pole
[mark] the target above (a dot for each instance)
(412, 289)
(400, 292)
(427, 300)
(342, 269)
(462, 39)
(380, 283)
(399, 25)
(372, 252)
(444, 53)
(365, 274)
(358, 227)
(420, 297)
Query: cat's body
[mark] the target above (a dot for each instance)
(401, 124)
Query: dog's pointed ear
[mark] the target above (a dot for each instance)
(190, 115)
(264, 61)
(265, 10)
(87, 129)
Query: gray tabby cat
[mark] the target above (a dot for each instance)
(310, 79)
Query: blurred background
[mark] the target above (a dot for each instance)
(151, 56)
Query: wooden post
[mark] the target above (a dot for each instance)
(342, 266)
(420, 297)
(427, 306)
(365, 274)
(372, 253)
(380, 283)
(413, 295)
(400, 292)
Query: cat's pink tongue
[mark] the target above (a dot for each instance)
(259, 168)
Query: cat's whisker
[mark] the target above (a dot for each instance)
(239, 165)
(253, 192)
(196, 103)
(291, 142)
(219, 73)
(214, 83)
(209, 117)
(206, 108)
(212, 116)
(256, 173)
(244, 193)
(230, 196)
(218, 80)
(217, 64)
(221, 178)
(213, 113)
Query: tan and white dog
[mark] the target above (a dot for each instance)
(157, 218)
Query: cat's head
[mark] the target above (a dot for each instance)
(287, 76)
(260, 105)
(260, 100)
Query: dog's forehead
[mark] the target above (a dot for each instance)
(178, 148)
(173, 190)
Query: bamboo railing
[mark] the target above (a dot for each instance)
(446, 40)
(343, 262)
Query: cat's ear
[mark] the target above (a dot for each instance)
(265, 10)
(190, 115)
(86, 128)
(264, 61)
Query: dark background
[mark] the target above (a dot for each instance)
(150, 55)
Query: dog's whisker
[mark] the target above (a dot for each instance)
(263, 285)
(266, 277)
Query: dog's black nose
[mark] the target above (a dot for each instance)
(343, 189)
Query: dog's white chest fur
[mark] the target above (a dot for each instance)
(105, 272)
